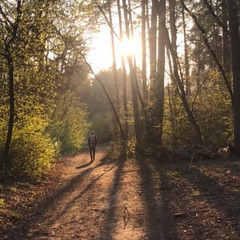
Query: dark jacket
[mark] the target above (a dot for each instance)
(92, 140)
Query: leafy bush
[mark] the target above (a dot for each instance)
(102, 125)
(32, 151)
(215, 116)
(69, 129)
(177, 130)
(212, 110)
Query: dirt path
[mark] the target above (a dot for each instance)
(134, 200)
(100, 200)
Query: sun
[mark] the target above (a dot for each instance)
(127, 47)
(100, 57)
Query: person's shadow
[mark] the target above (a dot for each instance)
(84, 165)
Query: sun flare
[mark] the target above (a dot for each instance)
(126, 47)
(101, 56)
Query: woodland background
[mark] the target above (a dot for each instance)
(184, 92)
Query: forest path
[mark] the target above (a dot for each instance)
(99, 200)
(166, 199)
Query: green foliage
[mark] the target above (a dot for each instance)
(176, 128)
(100, 112)
(32, 151)
(215, 117)
(69, 125)
(212, 108)
(115, 149)
(102, 125)
(47, 65)
(119, 149)
(130, 151)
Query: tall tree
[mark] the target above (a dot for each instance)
(186, 55)
(152, 31)
(124, 75)
(157, 70)
(235, 50)
(132, 77)
(225, 41)
(12, 28)
(159, 86)
(114, 63)
(144, 53)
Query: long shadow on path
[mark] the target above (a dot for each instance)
(155, 194)
(51, 202)
(109, 223)
(224, 197)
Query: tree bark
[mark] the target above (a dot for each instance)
(186, 57)
(235, 50)
(144, 58)
(153, 46)
(124, 77)
(226, 59)
(11, 113)
(114, 65)
(133, 80)
(10, 63)
(159, 89)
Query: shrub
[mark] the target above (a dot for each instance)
(32, 151)
(70, 131)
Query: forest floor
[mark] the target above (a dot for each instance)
(168, 199)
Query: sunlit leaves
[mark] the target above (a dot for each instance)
(44, 41)
(211, 105)
(69, 124)
(32, 148)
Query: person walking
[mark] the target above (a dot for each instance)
(92, 143)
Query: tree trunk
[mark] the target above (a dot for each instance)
(153, 119)
(159, 85)
(153, 46)
(10, 61)
(114, 66)
(235, 50)
(133, 80)
(144, 59)
(124, 77)
(186, 58)
(225, 41)
(11, 114)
